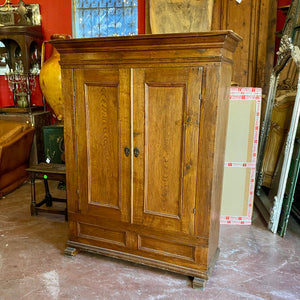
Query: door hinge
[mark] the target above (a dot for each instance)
(194, 211)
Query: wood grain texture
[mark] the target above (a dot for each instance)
(103, 147)
(255, 21)
(167, 97)
(167, 164)
(170, 16)
(99, 144)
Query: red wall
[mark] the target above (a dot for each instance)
(56, 18)
(141, 16)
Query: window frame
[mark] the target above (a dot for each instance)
(141, 17)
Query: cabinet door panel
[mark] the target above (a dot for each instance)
(166, 129)
(103, 130)
(103, 143)
(164, 133)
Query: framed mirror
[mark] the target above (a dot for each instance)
(269, 200)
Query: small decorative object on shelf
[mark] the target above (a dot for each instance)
(19, 14)
(20, 83)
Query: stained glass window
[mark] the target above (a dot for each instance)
(94, 18)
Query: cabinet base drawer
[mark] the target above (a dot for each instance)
(102, 234)
(203, 274)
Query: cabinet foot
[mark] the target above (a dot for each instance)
(69, 251)
(198, 283)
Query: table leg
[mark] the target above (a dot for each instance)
(33, 203)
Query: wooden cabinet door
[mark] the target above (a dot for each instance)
(166, 114)
(102, 120)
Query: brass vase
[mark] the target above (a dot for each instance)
(50, 79)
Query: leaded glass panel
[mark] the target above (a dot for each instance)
(105, 17)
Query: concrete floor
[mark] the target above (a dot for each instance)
(253, 263)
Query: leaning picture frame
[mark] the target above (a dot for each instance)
(270, 204)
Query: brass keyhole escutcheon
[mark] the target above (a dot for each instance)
(136, 152)
(127, 151)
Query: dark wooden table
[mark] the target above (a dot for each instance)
(47, 172)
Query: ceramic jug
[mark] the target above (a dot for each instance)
(50, 79)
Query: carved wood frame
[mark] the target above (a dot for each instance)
(270, 206)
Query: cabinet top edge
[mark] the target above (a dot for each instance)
(191, 39)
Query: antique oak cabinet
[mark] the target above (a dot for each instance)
(145, 128)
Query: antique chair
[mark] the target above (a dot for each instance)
(15, 146)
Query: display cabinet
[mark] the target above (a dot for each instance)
(22, 59)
